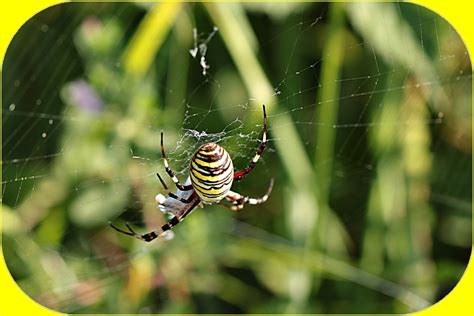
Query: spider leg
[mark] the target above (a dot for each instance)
(170, 172)
(160, 231)
(171, 194)
(238, 175)
(239, 200)
(130, 231)
(145, 237)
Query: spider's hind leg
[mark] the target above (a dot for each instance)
(238, 200)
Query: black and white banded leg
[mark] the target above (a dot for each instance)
(171, 194)
(170, 172)
(239, 200)
(238, 175)
(160, 231)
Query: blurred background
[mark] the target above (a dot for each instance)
(369, 116)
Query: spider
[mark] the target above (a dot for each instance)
(211, 174)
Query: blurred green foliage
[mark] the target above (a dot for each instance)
(370, 144)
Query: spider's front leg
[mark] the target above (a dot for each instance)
(171, 194)
(130, 232)
(239, 200)
(170, 172)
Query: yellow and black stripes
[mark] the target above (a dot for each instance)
(212, 172)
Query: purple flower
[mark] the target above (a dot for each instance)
(82, 95)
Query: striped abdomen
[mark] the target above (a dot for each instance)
(212, 172)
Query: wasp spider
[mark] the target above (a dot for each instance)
(211, 175)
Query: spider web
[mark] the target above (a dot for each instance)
(68, 170)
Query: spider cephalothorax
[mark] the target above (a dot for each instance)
(211, 175)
